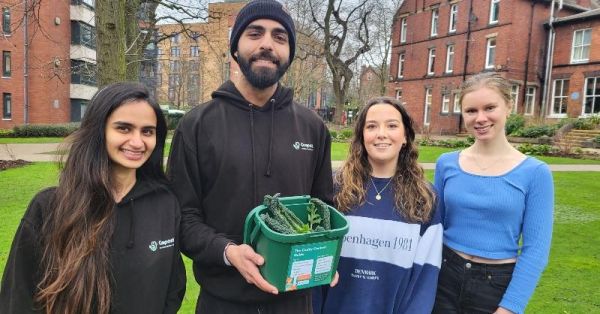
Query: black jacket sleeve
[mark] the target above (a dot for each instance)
(22, 268)
(199, 241)
(322, 187)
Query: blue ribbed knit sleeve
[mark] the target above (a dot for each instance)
(536, 237)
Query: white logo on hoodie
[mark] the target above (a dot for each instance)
(303, 146)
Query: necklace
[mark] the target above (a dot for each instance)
(484, 167)
(378, 196)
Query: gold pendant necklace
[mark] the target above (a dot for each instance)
(378, 196)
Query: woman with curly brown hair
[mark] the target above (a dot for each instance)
(105, 240)
(391, 255)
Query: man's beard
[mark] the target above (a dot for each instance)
(262, 77)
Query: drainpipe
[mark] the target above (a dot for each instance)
(464, 74)
(549, 56)
(523, 93)
(26, 65)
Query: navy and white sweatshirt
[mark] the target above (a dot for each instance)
(387, 265)
(225, 156)
(146, 265)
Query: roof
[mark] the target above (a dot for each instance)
(591, 14)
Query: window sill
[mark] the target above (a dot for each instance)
(580, 61)
(557, 116)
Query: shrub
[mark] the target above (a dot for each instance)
(347, 133)
(597, 139)
(173, 119)
(533, 149)
(514, 123)
(6, 133)
(45, 130)
(333, 134)
(536, 131)
(584, 124)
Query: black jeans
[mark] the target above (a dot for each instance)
(300, 303)
(467, 287)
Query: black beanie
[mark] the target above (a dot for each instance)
(262, 9)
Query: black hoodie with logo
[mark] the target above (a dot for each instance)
(225, 156)
(147, 271)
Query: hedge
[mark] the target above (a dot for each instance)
(45, 130)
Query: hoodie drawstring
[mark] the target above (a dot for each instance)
(256, 201)
(131, 240)
(268, 172)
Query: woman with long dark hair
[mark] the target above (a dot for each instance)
(391, 255)
(105, 240)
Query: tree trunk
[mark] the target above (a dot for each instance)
(134, 41)
(110, 26)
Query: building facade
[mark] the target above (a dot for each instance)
(437, 44)
(48, 61)
(575, 87)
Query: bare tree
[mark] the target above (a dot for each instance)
(378, 57)
(125, 27)
(344, 28)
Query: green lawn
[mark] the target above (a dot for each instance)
(30, 140)
(569, 285)
(428, 154)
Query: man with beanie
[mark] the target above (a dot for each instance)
(250, 140)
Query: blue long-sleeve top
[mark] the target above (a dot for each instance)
(387, 265)
(487, 216)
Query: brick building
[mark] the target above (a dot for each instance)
(195, 62)
(38, 53)
(575, 88)
(369, 85)
(436, 44)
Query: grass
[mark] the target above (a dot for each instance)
(30, 140)
(429, 154)
(569, 284)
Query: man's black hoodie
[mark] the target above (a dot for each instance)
(225, 156)
(147, 271)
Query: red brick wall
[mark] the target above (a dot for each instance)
(576, 73)
(48, 80)
(517, 18)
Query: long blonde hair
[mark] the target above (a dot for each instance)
(414, 196)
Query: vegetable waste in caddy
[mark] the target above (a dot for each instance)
(300, 239)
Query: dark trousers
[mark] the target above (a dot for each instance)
(300, 303)
(466, 287)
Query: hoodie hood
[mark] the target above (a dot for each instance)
(229, 94)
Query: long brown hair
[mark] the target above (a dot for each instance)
(75, 237)
(414, 197)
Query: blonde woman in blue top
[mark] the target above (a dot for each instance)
(493, 197)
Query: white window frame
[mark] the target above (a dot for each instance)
(530, 100)
(435, 18)
(561, 96)
(427, 109)
(580, 50)
(398, 94)
(445, 103)
(431, 62)
(490, 53)
(494, 11)
(403, 29)
(194, 51)
(453, 18)
(401, 59)
(514, 93)
(595, 97)
(449, 58)
(456, 105)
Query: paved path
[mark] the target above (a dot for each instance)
(44, 152)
